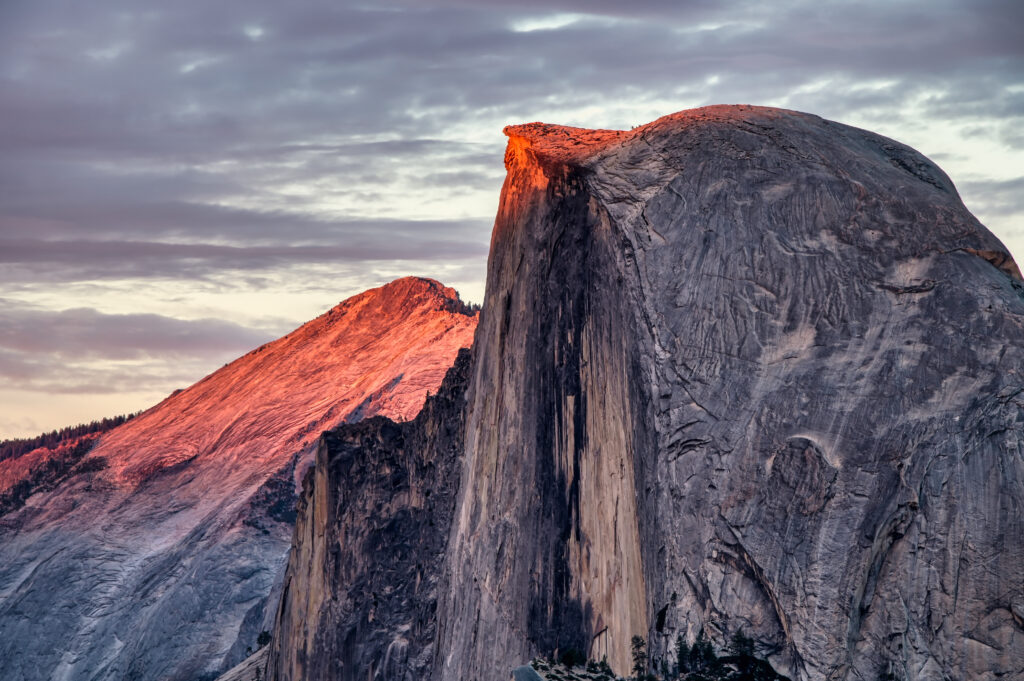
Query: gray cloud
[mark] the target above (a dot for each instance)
(85, 351)
(83, 333)
(182, 87)
(999, 198)
(197, 142)
(48, 375)
(92, 260)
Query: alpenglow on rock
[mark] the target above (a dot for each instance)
(737, 368)
(156, 557)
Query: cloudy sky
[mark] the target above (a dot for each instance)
(182, 181)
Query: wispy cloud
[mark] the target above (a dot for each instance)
(197, 150)
(83, 351)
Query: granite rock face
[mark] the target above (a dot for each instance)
(155, 556)
(360, 592)
(740, 367)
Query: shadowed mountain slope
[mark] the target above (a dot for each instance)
(157, 559)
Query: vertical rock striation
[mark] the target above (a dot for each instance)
(361, 587)
(737, 368)
(547, 549)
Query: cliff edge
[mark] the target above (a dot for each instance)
(739, 368)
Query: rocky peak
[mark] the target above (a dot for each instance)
(557, 144)
(169, 550)
(564, 144)
(402, 296)
(739, 369)
(729, 307)
(368, 351)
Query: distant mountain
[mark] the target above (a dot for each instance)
(151, 555)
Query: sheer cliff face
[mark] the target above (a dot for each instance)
(360, 592)
(155, 558)
(547, 548)
(741, 367)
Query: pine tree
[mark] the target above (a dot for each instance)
(682, 655)
(742, 648)
(639, 647)
(702, 655)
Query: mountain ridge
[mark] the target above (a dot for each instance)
(159, 560)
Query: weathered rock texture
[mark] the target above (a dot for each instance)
(249, 669)
(360, 592)
(740, 367)
(154, 556)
